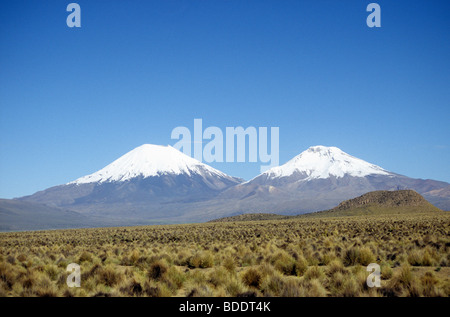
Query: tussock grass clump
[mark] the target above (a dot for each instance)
(422, 257)
(358, 255)
(366, 256)
(301, 265)
(415, 258)
(219, 276)
(85, 257)
(174, 278)
(284, 263)
(335, 267)
(7, 275)
(430, 285)
(135, 256)
(229, 263)
(200, 291)
(234, 287)
(52, 271)
(273, 285)
(349, 288)
(403, 283)
(132, 288)
(386, 272)
(203, 259)
(21, 257)
(292, 288)
(351, 256)
(313, 288)
(109, 276)
(151, 290)
(252, 277)
(157, 270)
(314, 272)
(44, 288)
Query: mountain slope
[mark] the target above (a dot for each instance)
(16, 215)
(439, 197)
(381, 202)
(373, 203)
(140, 184)
(318, 179)
(398, 198)
(19, 215)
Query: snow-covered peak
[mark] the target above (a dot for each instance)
(323, 162)
(149, 160)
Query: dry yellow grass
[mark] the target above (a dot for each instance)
(291, 257)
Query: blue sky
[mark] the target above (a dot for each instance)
(73, 100)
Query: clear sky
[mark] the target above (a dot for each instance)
(72, 100)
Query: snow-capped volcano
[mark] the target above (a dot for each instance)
(320, 162)
(150, 181)
(146, 161)
(318, 179)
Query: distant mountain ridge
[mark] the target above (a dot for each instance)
(319, 179)
(155, 183)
